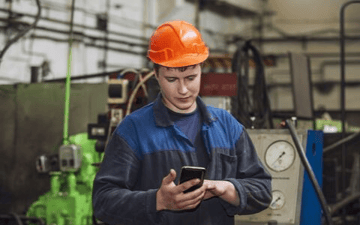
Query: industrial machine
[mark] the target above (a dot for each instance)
(293, 194)
(69, 198)
(73, 168)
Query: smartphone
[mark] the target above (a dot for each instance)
(192, 172)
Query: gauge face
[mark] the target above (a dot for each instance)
(280, 156)
(278, 200)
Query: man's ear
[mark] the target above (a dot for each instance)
(156, 75)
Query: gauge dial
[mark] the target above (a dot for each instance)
(278, 200)
(280, 156)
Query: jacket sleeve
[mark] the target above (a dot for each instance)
(252, 181)
(114, 200)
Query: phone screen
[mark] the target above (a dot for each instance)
(191, 172)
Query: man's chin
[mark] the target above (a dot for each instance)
(183, 107)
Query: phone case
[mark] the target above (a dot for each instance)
(191, 172)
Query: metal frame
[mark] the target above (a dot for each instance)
(312, 117)
(342, 64)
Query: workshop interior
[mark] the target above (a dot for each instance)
(71, 70)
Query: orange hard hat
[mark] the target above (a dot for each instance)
(177, 44)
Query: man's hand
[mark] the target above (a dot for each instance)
(222, 189)
(171, 196)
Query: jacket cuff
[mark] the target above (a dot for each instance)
(230, 209)
(151, 206)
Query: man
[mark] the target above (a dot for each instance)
(138, 179)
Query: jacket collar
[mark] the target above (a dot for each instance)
(162, 117)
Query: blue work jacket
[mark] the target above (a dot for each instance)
(147, 144)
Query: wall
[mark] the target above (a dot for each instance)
(130, 25)
(125, 28)
(309, 19)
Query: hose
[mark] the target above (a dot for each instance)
(137, 77)
(17, 37)
(310, 172)
(257, 105)
(133, 94)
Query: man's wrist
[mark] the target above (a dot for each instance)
(230, 194)
(159, 206)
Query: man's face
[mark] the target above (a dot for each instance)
(180, 89)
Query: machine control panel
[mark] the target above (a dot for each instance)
(277, 152)
(70, 158)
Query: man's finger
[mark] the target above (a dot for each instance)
(192, 203)
(170, 177)
(209, 184)
(188, 184)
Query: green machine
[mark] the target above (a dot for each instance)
(69, 199)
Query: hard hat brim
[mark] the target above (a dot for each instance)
(186, 60)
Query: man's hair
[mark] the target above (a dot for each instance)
(181, 69)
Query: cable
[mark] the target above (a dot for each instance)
(131, 99)
(257, 105)
(138, 77)
(21, 33)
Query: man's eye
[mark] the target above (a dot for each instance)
(191, 78)
(171, 80)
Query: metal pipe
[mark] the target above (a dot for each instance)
(106, 36)
(55, 182)
(76, 25)
(8, 218)
(343, 115)
(315, 55)
(86, 76)
(344, 202)
(81, 34)
(310, 172)
(293, 39)
(71, 179)
(89, 44)
(67, 85)
(341, 142)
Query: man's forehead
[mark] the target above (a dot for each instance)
(174, 71)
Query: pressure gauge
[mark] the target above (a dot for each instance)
(279, 156)
(278, 200)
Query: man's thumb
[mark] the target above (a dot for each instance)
(170, 177)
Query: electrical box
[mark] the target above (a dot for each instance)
(70, 158)
(116, 117)
(42, 164)
(278, 154)
(118, 91)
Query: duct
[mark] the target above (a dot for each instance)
(88, 44)
(82, 35)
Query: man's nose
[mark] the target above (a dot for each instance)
(182, 88)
